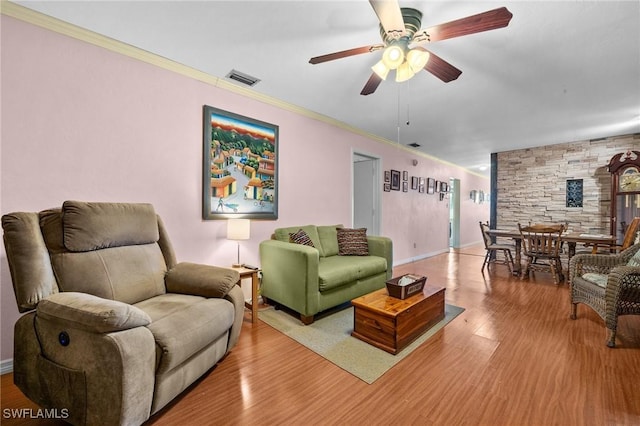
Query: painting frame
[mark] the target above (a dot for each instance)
(395, 180)
(414, 182)
(238, 150)
(431, 185)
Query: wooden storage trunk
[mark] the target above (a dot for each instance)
(390, 323)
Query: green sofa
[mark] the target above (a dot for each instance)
(309, 279)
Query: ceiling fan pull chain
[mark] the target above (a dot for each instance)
(398, 119)
(408, 103)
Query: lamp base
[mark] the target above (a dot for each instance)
(236, 265)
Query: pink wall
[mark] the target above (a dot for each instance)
(80, 122)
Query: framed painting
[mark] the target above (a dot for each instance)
(431, 185)
(395, 180)
(414, 182)
(240, 167)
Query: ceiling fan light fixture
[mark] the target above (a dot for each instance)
(404, 72)
(393, 56)
(381, 69)
(417, 59)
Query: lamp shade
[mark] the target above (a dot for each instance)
(381, 69)
(404, 72)
(238, 229)
(393, 56)
(417, 59)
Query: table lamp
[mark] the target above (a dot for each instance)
(238, 229)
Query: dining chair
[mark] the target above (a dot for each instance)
(493, 248)
(630, 238)
(541, 246)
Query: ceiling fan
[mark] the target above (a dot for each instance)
(402, 40)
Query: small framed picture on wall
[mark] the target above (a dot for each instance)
(431, 185)
(395, 180)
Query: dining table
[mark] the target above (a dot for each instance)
(571, 238)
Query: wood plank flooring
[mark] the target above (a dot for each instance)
(512, 358)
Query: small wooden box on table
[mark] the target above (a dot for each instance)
(390, 323)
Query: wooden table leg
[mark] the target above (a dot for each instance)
(517, 268)
(254, 297)
(253, 303)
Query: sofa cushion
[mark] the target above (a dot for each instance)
(282, 234)
(183, 325)
(128, 274)
(301, 237)
(329, 239)
(92, 226)
(635, 260)
(336, 271)
(598, 279)
(352, 242)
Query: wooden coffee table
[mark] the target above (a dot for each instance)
(391, 324)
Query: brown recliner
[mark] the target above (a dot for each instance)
(115, 328)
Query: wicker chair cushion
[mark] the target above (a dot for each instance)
(598, 279)
(635, 260)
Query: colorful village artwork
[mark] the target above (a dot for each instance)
(243, 166)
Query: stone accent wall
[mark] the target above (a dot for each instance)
(531, 183)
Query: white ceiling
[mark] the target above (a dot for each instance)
(561, 71)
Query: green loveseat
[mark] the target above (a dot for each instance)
(309, 279)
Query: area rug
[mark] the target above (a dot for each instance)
(330, 337)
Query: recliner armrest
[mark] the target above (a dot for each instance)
(91, 313)
(201, 280)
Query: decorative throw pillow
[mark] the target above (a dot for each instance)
(352, 242)
(635, 260)
(301, 237)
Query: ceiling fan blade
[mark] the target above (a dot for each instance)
(372, 84)
(491, 20)
(441, 68)
(390, 17)
(345, 53)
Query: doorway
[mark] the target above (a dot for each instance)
(366, 192)
(454, 213)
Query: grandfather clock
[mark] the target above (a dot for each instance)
(625, 191)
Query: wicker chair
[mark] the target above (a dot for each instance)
(609, 284)
(492, 249)
(541, 244)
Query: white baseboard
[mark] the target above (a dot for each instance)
(431, 254)
(419, 257)
(6, 366)
(471, 244)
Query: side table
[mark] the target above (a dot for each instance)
(253, 305)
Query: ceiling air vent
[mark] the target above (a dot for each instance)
(242, 78)
(414, 145)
